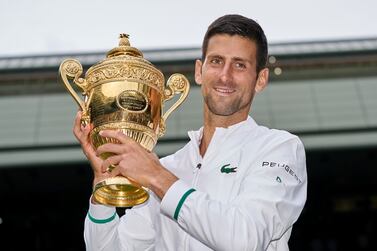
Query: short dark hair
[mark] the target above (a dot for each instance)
(242, 26)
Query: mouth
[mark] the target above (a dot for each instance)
(224, 91)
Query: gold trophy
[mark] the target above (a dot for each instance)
(123, 92)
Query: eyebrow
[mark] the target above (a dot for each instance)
(236, 59)
(214, 56)
(242, 59)
(233, 58)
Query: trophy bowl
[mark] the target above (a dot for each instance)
(123, 92)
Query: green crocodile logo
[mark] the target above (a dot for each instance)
(226, 169)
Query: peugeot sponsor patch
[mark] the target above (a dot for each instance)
(284, 166)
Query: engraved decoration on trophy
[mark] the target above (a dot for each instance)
(127, 93)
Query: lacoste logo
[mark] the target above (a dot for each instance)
(226, 169)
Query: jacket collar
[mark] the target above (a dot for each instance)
(248, 124)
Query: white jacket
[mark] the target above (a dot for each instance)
(249, 190)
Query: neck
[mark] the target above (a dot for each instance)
(211, 121)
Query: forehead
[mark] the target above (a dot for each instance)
(232, 46)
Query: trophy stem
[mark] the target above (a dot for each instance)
(120, 192)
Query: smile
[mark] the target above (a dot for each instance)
(224, 91)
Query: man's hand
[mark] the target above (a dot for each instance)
(133, 161)
(81, 133)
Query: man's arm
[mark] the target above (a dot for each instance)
(100, 228)
(104, 230)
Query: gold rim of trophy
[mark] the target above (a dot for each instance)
(120, 191)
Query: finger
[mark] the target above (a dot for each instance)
(120, 136)
(111, 148)
(86, 129)
(111, 162)
(77, 125)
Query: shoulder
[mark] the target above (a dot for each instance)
(281, 148)
(263, 131)
(265, 137)
(271, 138)
(277, 146)
(278, 154)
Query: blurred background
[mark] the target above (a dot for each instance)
(323, 87)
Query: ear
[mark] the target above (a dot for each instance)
(198, 71)
(262, 80)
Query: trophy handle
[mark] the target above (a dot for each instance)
(72, 69)
(177, 83)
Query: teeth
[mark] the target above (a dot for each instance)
(224, 90)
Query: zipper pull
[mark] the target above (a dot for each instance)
(198, 166)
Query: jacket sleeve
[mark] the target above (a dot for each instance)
(270, 200)
(104, 230)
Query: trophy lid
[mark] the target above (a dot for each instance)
(127, 63)
(124, 48)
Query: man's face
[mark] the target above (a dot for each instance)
(228, 76)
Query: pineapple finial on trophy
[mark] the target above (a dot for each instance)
(124, 39)
(124, 48)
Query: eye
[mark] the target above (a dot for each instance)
(215, 61)
(240, 65)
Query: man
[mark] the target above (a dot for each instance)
(234, 186)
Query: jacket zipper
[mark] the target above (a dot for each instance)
(196, 175)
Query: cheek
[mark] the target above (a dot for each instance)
(248, 88)
(209, 73)
(207, 80)
(205, 88)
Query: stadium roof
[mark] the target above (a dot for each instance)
(189, 54)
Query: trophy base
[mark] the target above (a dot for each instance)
(119, 192)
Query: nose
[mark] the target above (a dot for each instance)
(226, 73)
